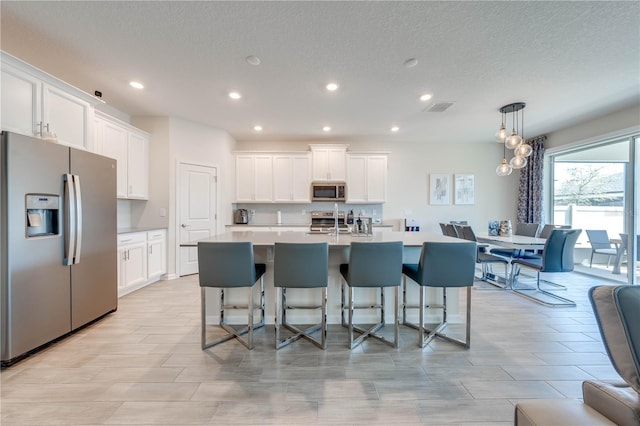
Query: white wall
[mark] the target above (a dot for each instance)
(173, 141)
(409, 167)
(593, 129)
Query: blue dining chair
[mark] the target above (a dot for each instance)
(557, 256)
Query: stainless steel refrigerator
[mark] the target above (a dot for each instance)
(58, 241)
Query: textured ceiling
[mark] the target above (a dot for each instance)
(569, 61)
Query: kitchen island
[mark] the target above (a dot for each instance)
(264, 242)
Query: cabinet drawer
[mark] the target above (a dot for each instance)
(157, 234)
(132, 238)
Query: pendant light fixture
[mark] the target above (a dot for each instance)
(504, 169)
(515, 140)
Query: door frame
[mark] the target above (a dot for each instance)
(176, 221)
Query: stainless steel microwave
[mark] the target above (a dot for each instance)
(328, 191)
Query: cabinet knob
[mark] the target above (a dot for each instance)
(184, 225)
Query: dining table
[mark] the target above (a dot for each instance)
(517, 242)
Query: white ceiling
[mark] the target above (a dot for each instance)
(569, 61)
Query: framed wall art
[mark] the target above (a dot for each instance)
(439, 189)
(464, 187)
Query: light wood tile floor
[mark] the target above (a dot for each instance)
(143, 365)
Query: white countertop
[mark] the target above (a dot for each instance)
(269, 238)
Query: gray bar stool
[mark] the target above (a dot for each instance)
(441, 265)
(300, 266)
(230, 265)
(372, 265)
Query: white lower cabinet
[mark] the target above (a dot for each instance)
(141, 259)
(156, 254)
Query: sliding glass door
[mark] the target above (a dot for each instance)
(594, 187)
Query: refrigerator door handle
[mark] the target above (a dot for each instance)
(76, 181)
(70, 233)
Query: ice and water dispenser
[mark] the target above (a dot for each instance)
(43, 215)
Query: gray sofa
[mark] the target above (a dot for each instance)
(617, 310)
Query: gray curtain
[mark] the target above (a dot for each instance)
(530, 193)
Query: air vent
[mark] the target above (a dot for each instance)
(439, 107)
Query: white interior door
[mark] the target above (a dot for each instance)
(197, 194)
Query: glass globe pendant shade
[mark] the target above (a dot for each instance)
(501, 134)
(504, 169)
(518, 162)
(513, 140)
(523, 150)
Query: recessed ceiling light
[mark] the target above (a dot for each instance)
(425, 97)
(411, 62)
(136, 85)
(253, 60)
(332, 87)
(326, 129)
(395, 128)
(235, 95)
(257, 128)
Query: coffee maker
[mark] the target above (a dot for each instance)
(241, 216)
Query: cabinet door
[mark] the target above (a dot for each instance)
(155, 258)
(320, 158)
(263, 178)
(329, 163)
(376, 178)
(356, 179)
(138, 166)
(20, 101)
(114, 145)
(244, 178)
(70, 118)
(282, 178)
(135, 265)
(337, 163)
(301, 185)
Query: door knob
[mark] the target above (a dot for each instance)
(184, 225)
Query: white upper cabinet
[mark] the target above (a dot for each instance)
(21, 95)
(35, 103)
(130, 147)
(138, 166)
(366, 178)
(328, 162)
(291, 178)
(254, 178)
(69, 117)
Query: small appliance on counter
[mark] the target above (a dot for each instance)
(241, 217)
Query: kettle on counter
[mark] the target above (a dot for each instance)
(241, 216)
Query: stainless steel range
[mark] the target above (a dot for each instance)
(324, 222)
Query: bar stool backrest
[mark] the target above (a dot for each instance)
(375, 264)
(226, 264)
(447, 264)
(557, 255)
(301, 265)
